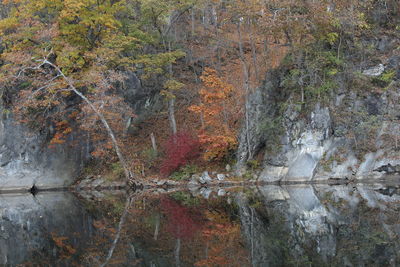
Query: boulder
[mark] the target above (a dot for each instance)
(374, 71)
(205, 178)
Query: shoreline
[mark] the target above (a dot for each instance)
(171, 184)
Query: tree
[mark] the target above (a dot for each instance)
(162, 16)
(59, 48)
(217, 134)
(58, 51)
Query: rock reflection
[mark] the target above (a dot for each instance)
(45, 229)
(322, 225)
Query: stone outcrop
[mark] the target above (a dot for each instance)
(353, 134)
(26, 159)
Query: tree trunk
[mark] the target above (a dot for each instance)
(193, 21)
(153, 143)
(171, 102)
(171, 115)
(202, 120)
(247, 91)
(129, 176)
(253, 50)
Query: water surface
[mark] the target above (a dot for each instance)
(296, 225)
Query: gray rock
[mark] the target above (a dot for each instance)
(389, 169)
(228, 168)
(117, 184)
(172, 183)
(26, 158)
(374, 71)
(273, 173)
(97, 194)
(302, 168)
(205, 192)
(221, 192)
(351, 136)
(262, 106)
(84, 183)
(220, 176)
(193, 184)
(205, 178)
(383, 43)
(162, 182)
(97, 182)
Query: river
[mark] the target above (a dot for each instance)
(292, 225)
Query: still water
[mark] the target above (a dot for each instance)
(296, 225)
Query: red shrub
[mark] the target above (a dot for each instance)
(179, 149)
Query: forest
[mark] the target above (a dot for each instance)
(169, 88)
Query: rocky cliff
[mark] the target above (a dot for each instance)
(344, 127)
(26, 159)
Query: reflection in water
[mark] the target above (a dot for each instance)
(47, 229)
(296, 225)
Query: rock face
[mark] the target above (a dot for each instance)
(27, 160)
(143, 97)
(354, 133)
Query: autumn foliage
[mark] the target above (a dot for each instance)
(62, 130)
(217, 135)
(99, 44)
(179, 150)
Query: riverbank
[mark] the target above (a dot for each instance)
(196, 182)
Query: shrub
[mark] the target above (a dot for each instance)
(117, 169)
(253, 164)
(217, 147)
(179, 150)
(385, 78)
(184, 173)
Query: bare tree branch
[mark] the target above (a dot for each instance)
(128, 174)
